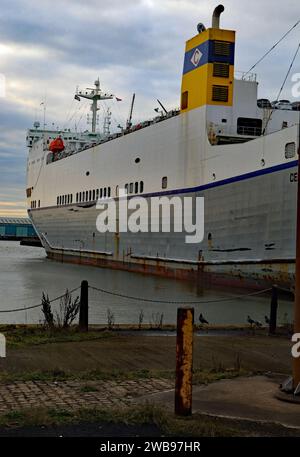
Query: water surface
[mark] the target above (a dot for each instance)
(25, 273)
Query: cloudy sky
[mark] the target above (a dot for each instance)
(49, 47)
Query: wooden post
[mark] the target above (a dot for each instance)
(84, 307)
(273, 311)
(184, 361)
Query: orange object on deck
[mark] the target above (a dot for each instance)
(56, 145)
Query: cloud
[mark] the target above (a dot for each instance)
(48, 48)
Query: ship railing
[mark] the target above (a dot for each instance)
(245, 75)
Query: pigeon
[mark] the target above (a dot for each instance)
(250, 321)
(202, 319)
(267, 320)
(258, 324)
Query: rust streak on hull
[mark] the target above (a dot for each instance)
(260, 275)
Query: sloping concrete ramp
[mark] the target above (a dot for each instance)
(244, 398)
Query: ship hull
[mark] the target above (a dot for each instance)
(249, 236)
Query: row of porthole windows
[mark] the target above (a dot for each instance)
(35, 204)
(91, 195)
(134, 187)
(64, 199)
(105, 192)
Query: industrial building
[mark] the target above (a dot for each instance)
(16, 228)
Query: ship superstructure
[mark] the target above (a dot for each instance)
(222, 144)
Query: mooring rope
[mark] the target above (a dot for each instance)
(174, 302)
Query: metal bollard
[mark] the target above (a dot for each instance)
(273, 311)
(184, 361)
(84, 307)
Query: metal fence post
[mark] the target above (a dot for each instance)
(84, 307)
(184, 361)
(273, 310)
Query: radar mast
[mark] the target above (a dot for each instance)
(93, 94)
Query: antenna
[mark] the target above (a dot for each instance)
(44, 116)
(107, 123)
(129, 123)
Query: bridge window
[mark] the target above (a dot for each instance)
(141, 186)
(136, 187)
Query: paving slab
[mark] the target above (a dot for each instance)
(244, 398)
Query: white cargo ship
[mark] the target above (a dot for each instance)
(223, 144)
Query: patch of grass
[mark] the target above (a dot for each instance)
(208, 376)
(88, 375)
(199, 376)
(48, 375)
(88, 388)
(18, 336)
(169, 424)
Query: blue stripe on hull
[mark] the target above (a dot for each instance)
(223, 182)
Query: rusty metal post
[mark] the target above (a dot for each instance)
(296, 361)
(184, 361)
(273, 311)
(84, 307)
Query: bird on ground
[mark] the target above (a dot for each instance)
(202, 319)
(250, 321)
(258, 324)
(267, 320)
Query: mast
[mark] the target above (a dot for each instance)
(93, 94)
